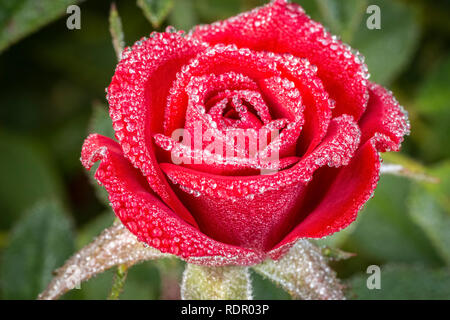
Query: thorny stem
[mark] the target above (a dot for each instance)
(115, 246)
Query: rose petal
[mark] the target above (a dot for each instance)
(334, 197)
(283, 27)
(318, 105)
(384, 119)
(139, 209)
(204, 161)
(255, 211)
(137, 97)
(217, 60)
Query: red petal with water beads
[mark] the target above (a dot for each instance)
(137, 98)
(272, 68)
(257, 211)
(334, 197)
(385, 120)
(143, 213)
(280, 77)
(282, 27)
(204, 161)
(217, 60)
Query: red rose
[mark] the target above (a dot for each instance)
(272, 67)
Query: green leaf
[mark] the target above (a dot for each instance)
(18, 18)
(311, 8)
(429, 206)
(101, 122)
(213, 10)
(403, 282)
(215, 283)
(94, 228)
(264, 289)
(385, 231)
(93, 42)
(391, 48)
(337, 239)
(342, 17)
(156, 11)
(434, 112)
(304, 273)
(387, 50)
(65, 141)
(171, 274)
(183, 16)
(27, 176)
(116, 30)
(404, 166)
(39, 243)
(143, 283)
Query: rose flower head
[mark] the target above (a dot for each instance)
(243, 136)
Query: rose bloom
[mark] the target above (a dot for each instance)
(270, 68)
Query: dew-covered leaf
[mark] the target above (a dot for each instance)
(156, 11)
(27, 176)
(18, 18)
(216, 283)
(403, 282)
(41, 240)
(304, 273)
(429, 207)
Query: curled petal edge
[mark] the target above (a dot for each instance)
(139, 209)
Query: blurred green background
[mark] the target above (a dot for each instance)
(52, 88)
